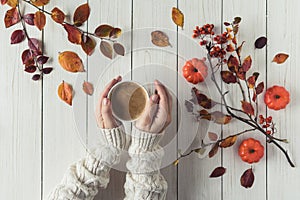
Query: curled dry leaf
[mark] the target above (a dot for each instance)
(29, 19)
(239, 49)
(40, 20)
(260, 42)
(177, 17)
(106, 49)
(219, 171)
(247, 179)
(88, 88)
(228, 142)
(103, 30)
(17, 36)
(70, 61)
(11, 17)
(115, 33)
(74, 35)
(81, 14)
(65, 92)
(119, 49)
(280, 58)
(57, 15)
(39, 2)
(247, 107)
(88, 44)
(160, 39)
(214, 150)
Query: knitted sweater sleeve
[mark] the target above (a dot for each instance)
(83, 179)
(144, 180)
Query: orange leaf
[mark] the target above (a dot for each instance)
(247, 107)
(81, 14)
(214, 150)
(280, 58)
(88, 88)
(88, 44)
(115, 33)
(39, 2)
(12, 3)
(70, 61)
(103, 30)
(233, 63)
(177, 17)
(74, 35)
(39, 20)
(11, 17)
(57, 15)
(247, 64)
(65, 92)
(228, 142)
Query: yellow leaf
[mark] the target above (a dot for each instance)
(70, 61)
(178, 17)
(65, 92)
(12, 3)
(39, 20)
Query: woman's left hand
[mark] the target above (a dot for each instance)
(104, 116)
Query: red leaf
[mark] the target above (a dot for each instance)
(34, 45)
(81, 14)
(17, 36)
(42, 60)
(57, 15)
(260, 88)
(214, 150)
(247, 179)
(241, 74)
(260, 42)
(219, 171)
(30, 69)
(27, 57)
(29, 18)
(202, 99)
(88, 44)
(74, 35)
(251, 81)
(228, 77)
(11, 17)
(40, 20)
(36, 77)
(233, 63)
(47, 70)
(247, 107)
(3, 2)
(247, 64)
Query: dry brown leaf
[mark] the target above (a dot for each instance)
(178, 17)
(119, 49)
(219, 171)
(11, 17)
(70, 61)
(115, 33)
(40, 20)
(214, 150)
(103, 30)
(12, 3)
(39, 2)
(57, 15)
(88, 44)
(88, 88)
(247, 179)
(65, 92)
(74, 35)
(280, 58)
(228, 142)
(247, 107)
(106, 49)
(81, 14)
(160, 39)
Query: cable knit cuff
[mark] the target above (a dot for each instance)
(115, 137)
(143, 141)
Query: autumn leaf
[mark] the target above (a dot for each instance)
(247, 107)
(29, 19)
(81, 14)
(115, 33)
(177, 17)
(39, 2)
(228, 142)
(119, 49)
(11, 17)
(280, 58)
(106, 49)
(88, 88)
(12, 3)
(214, 150)
(228, 77)
(34, 45)
(260, 42)
(30, 69)
(70, 61)
(17, 36)
(27, 57)
(239, 49)
(36, 77)
(213, 136)
(57, 15)
(247, 178)
(65, 92)
(74, 35)
(39, 20)
(160, 39)
(241, 74)
(42, 60)
(237, 20)
(219, 171)
(202, 99)
(233, 63)
(247, 63)
(251, 82)
(220, 118)
(103, 30)
(88, 44)
(260, 88)
(47, 70)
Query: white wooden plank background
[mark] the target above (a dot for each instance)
(40, 136)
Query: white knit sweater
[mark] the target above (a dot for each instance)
(143, 181)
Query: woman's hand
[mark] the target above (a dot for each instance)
(157, 114)
(104, 116)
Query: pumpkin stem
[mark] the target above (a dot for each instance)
(251, 151)
(277, 96)
(195, 69)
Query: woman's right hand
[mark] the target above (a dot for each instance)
(157, 114)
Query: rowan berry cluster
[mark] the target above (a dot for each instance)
(267, 123)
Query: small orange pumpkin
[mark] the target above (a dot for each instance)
(251, 150)
(195, 70)
(277, 97)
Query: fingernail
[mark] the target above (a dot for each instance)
(105, 101)
(154, 98)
